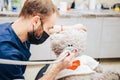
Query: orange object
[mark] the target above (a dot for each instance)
(68, 9)
(75, 65)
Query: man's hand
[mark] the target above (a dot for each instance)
(56, 68)
(80, 27)
(57, 28)
(67, 61)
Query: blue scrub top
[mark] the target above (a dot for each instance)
(12, 48)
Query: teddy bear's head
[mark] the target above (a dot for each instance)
(68, 38)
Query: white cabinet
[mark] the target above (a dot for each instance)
(7, 19)
(110, 40)
(93, 25)
(42, 51)
(103, 40)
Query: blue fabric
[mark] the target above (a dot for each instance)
(12, 48)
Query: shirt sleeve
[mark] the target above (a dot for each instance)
(9, 50)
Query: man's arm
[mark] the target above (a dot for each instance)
(52, 73)
(56, 68)
(10, 72)
(58, 28)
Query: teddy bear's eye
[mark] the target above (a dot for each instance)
(70, 45)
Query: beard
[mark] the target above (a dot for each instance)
(37, 36)
(38, 32)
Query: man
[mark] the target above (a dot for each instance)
(34, 25)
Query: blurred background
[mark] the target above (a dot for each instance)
(101, 17)
(15, 5)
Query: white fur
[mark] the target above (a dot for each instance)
(77, 38)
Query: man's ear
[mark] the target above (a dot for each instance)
(36, 21)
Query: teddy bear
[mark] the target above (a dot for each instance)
(83, 67)
(88, 68)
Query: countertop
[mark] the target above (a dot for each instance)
(75, 13)
(91, 13)
(8, 14)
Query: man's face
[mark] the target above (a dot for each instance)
(46, 25)
(41, 29)
(49, 23)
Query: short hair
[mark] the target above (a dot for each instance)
(42, 8)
